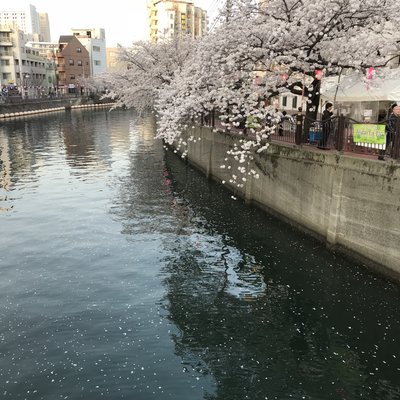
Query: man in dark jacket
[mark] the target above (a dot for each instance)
(391, 122)
(326, 126)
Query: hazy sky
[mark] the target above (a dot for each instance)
(124, 20)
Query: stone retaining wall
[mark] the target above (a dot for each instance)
(351, 203)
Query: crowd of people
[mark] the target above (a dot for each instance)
(283, 123)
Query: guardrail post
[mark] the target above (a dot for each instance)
(396, 141)
(299, 128)
(340, 133)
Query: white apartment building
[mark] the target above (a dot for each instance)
(94, 40)
(22, 66)
(171, 18)
(46, 50)
(28, 20)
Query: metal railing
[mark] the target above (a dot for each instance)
(301, 130)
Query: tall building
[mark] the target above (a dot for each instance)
(28, 20)
(94, 41)
(171, 18)
(44, 27)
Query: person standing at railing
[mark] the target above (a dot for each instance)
(390, 129)
(326, 126)
(285, 118)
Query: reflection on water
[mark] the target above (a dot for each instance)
(126, 274)
(317, 325)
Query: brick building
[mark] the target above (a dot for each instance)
(73, 64)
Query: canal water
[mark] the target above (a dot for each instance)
(125, 274)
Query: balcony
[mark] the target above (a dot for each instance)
(5, 42)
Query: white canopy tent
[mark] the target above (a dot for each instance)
(354, 88)
(359, 98)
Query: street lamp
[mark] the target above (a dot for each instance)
(25, 78)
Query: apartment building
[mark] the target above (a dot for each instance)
(94, 40)
(114, 64)
(47, 50)
(73, 64)
(172, 18)
(23, 66)
(32, 23)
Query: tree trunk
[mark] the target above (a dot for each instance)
(312, 107)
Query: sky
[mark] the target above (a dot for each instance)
(124, 21)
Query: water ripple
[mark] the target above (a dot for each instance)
(126, 274)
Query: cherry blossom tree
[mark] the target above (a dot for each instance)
(303, 39)
(148, 68)
(288, 41)
(255, 53)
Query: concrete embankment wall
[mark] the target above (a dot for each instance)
(351, 203)
(33, 105)
(19, 109)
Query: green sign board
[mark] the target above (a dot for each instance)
(369, 133)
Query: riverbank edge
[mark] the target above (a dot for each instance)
(351, 204)
(23, 109)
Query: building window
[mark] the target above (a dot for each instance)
(79, 62)
(284, 101)
(97, 62)
(71, 62)
(294, 102)
(96, 48)
(78, 50)
(72, 77)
